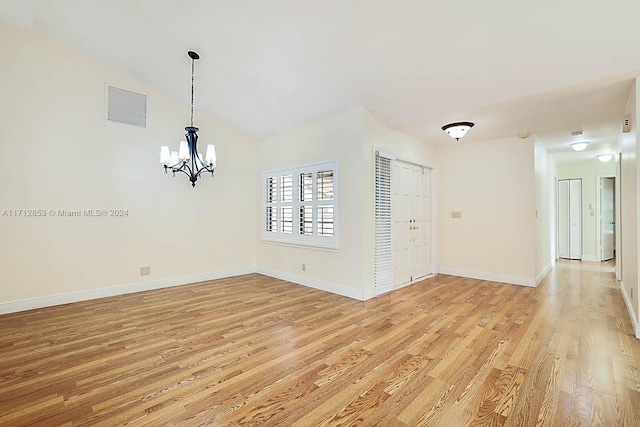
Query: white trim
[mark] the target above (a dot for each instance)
(433, 195)
(494, 277)
(632, 313)
(590, 258)
(540, 277)
(89, 294)
(316, 246)
(385, 154)
(434, 221)
(599, 214)
(313, 283)
(294, 237)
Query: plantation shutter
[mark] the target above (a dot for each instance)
(383, 276)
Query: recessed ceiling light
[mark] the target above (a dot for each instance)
(605, 157)
(579, 146)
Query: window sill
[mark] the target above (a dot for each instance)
(326, 247)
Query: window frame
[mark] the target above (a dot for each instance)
(296, 238)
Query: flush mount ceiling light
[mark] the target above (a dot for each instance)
(579, 146)
(187, 159)
(457, 130)
(605, 157)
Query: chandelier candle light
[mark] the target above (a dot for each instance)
(187, 159)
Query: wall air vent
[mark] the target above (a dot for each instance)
(626, 124)
(576, 133)
(127, 107)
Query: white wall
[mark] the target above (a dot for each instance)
(59, 152)
(493, 185)
(339, 138)
(628, 148)
(545, 210)
(350, 138)
(589, 171)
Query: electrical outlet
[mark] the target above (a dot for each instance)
(304, 267)
(145, 271)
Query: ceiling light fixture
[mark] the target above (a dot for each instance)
(579, 146)
(187, 159)
(605, 157)
(457, 130)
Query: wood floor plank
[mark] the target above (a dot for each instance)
(254, 350)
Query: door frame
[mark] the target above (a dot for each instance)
(415, 166)
(581, 258)
(434, 210)
(599, 179)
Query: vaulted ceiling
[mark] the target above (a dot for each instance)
(544, 67)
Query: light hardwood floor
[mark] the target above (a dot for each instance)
(254, 350)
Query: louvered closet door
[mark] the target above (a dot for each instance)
(383, 275)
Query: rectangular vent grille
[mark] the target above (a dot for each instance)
(127, 107)
(626, 124)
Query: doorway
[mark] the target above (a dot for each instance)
(607, 218)
(570, 218)
(411, 222)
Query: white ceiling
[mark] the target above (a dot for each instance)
(544, 67)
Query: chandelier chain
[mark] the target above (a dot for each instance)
(192, 84)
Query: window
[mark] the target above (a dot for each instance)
(300, 205)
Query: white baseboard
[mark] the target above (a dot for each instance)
(540, 277)
(590, 258)
(494, 277)
(632, 312)
(313, 283)
(89, 294)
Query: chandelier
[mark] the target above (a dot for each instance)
(187, 159)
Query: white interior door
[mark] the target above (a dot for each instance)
(607, 218)
(575, 216)
(400, 203)
(421, 222)
(570, 218)
(411, 213)
(563, 218)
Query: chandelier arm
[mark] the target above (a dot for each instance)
(173, 166)
(200, 164)
(174, 170)
(187, 168)
(204, 169)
